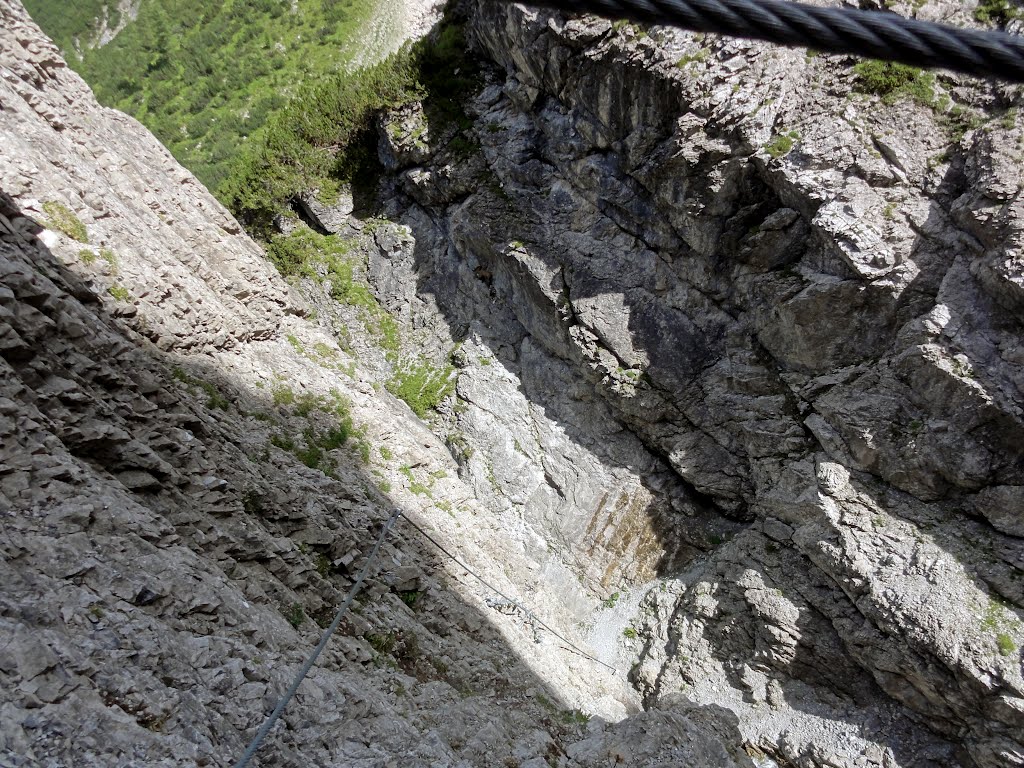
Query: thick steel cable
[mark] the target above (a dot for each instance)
(269, 723)
(875, 34)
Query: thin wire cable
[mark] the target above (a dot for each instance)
(875, 34)
(530, 614)
(269, 723)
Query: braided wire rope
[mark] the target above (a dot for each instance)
(254, 745)
(875, 34)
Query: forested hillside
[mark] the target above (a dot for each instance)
(205, 76)
(67, 22)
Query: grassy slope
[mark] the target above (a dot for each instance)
(205, 75)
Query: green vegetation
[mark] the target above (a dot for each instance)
(330, 259)
(252, 502)
(782, 144)
(894, 82)
(87, 256)
(415, 486)
(629, 633)
(997, 621)
(410, 597)
(701, 54)
(62, 219)
(283, 395)
(999, 12)
(575, 717)
(65, 22)
(119, 292)
(206, 75)
(1005, 644)
(295, 615)
(958, 121)
(422, 386)
(382, 643)
(214, 397)
(325, 135)
(323, 565)
(611, 600)
(459, 446)
(317, 441)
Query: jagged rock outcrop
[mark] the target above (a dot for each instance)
(789, 311)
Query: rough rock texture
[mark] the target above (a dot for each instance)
(738, 408)
(726, 321)
(170, 539)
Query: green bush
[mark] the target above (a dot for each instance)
(329, 259)
(1005, 644)
(119, 292)
(894, 81)
(283, 395)
(410, 597)
(318, 441)
(382, 643)
(782, 144)
(214, 397)
(997, 11)
(575, 717)
(422, 386)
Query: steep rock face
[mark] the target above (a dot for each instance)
(708, 257)
(765, 407)
(178, 517)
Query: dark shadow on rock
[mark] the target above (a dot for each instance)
(161, 534)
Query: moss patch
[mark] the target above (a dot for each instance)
(782, 144)
(62, 219)
(895, 82)
(422, 385)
